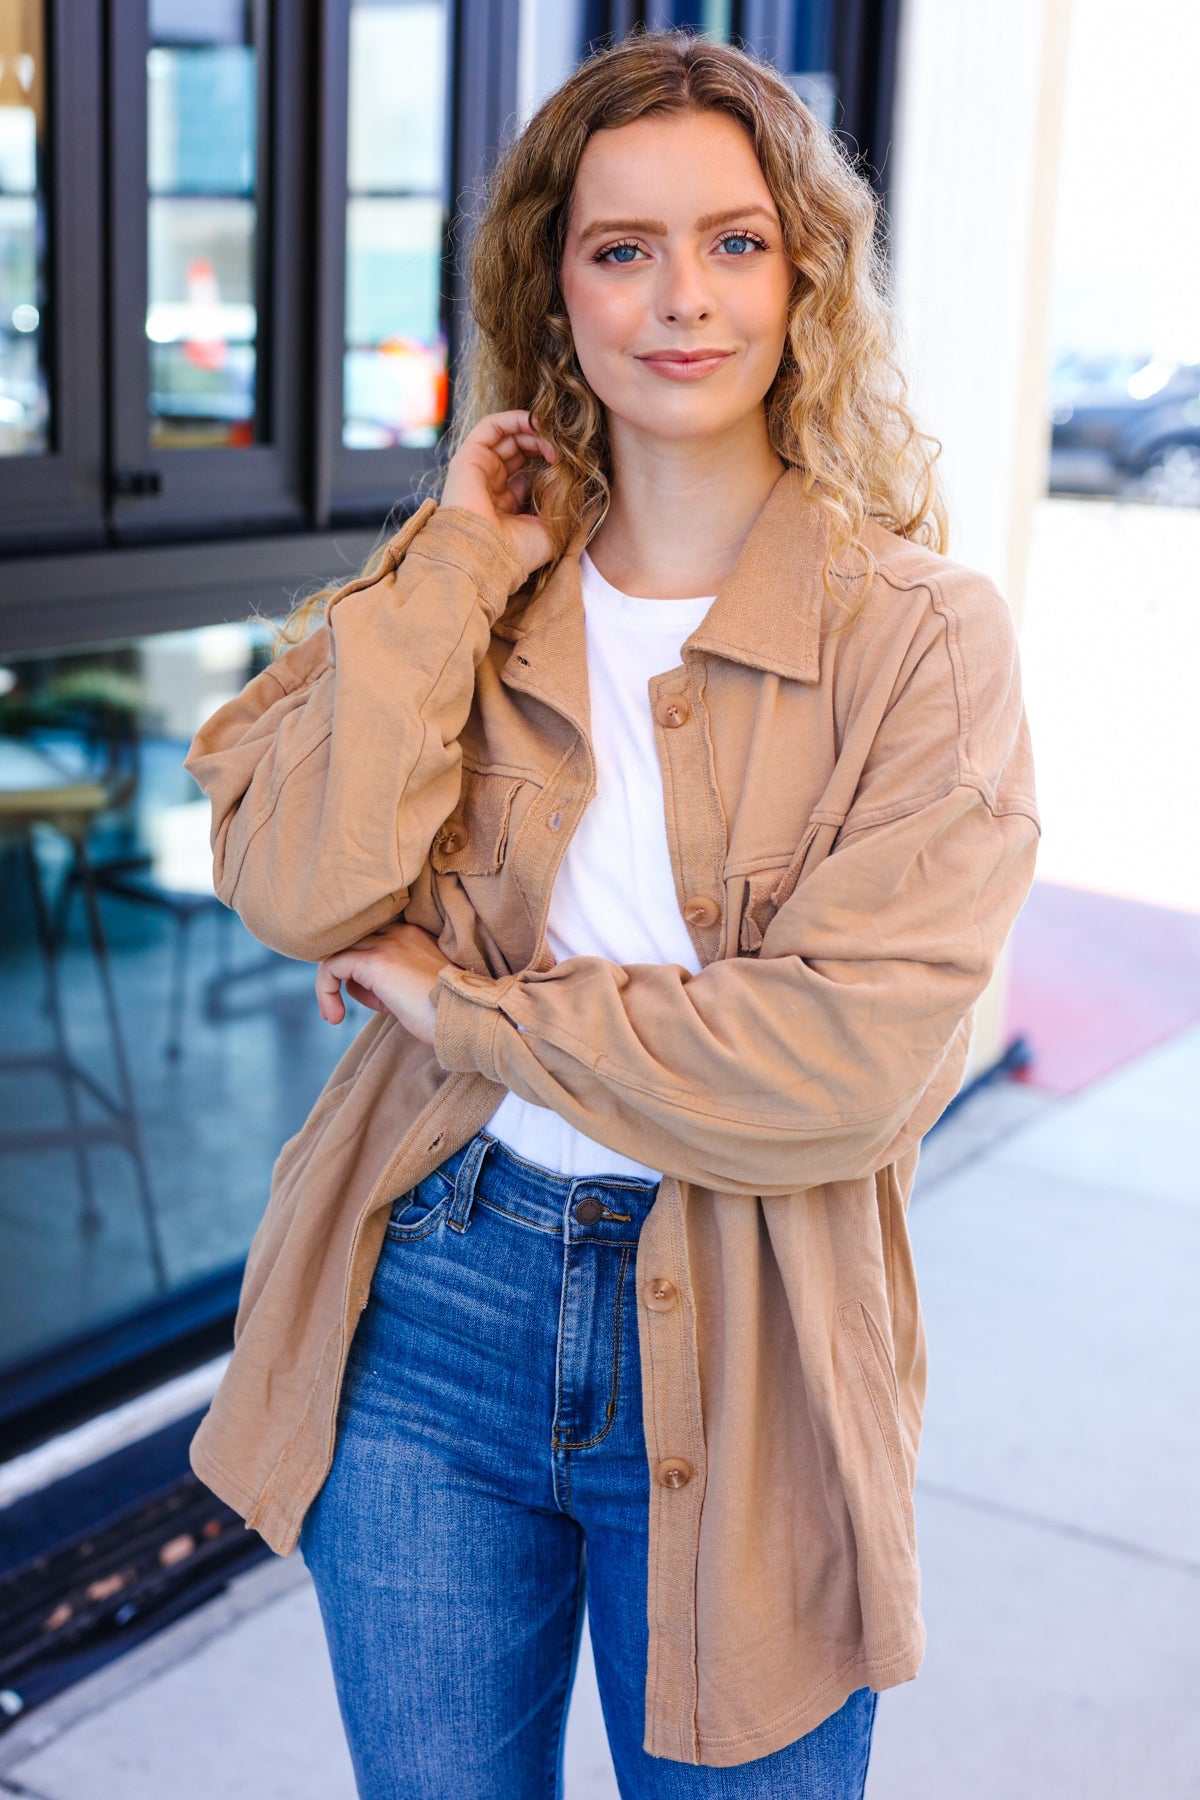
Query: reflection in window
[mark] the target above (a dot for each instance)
(202, 311)
(395, 389)
(24, 391)
(151, 1066)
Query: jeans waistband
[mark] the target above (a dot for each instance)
(607, 1208)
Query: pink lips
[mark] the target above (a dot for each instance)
(685, 365)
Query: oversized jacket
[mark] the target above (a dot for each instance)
(852, 827)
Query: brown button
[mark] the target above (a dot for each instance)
(659, 1294)
(673, 1472)
(470, 978)
(701, 909)
(451, 838)
(671, 710)
(588, 1211)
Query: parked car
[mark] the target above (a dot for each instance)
(1127, 425)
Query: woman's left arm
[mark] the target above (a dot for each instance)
(800, 1066)
(836, 1048)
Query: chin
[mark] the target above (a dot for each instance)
(688, 422)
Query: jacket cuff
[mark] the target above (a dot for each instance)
(466, 1018)
(452, 534)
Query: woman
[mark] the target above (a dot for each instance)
(667, 793)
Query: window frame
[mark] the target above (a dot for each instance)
(260, 486)
(54, 495)
(350, 485)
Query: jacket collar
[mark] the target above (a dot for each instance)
(767, 613)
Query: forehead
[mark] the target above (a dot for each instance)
(672, 167)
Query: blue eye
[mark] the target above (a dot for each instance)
(612, 251)
(742, 238)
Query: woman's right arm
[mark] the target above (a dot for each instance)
(330, 773)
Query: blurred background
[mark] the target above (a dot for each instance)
(232, 251)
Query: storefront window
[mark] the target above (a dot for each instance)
(202, 74)
(153, 1056)
(395, 388)
(24, 389)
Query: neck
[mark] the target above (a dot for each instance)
(681, 511)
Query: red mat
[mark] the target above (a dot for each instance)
(1096, 980)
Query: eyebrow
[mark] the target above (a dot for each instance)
(656, 227)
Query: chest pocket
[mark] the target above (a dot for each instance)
(473, 840)
(769, 889)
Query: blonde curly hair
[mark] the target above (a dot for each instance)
(837, 408)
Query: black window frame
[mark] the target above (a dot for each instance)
(354, 486)
(109, 489)
(56, 494)
(155, 492)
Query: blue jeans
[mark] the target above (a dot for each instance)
(489, 1472)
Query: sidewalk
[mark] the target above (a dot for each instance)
(1058, 1247)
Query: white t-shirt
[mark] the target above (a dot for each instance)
(614, 895)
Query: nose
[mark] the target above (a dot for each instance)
(684, 298)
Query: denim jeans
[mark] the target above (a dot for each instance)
(489, 1473)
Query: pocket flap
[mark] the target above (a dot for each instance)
(473, 840)
(769, 889)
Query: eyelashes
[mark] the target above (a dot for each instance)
(602, 256)
(625, 244)
(747, 236)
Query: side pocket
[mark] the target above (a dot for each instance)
(879, 1380)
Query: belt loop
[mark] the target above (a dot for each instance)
(459, 1215)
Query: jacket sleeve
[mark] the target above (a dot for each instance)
(838, 1045)
(330, 773)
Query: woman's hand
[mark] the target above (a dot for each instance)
(487, 475)
(394, 970)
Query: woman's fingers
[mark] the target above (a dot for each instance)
(494, 425)
(369, 969)
(484, 474)
(336, 969)
(364, 995)
(503, 432)
(514, 453)
(328, 986)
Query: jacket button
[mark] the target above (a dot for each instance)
(673, 1472)
(671, 710)
(659, 1294)
(451, 838)
(588, 1211)
(701, 909)
(470, 978)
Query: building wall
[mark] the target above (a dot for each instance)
(977, 133)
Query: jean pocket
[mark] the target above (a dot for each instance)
(420, 1210)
